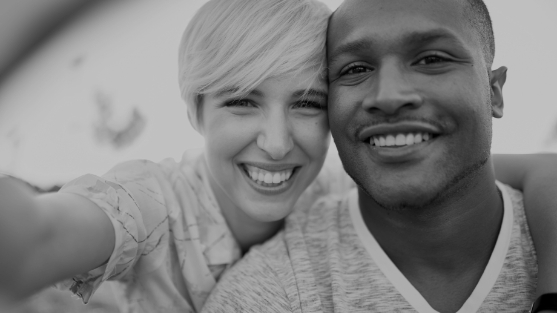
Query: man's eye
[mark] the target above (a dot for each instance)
(432, 59)
(357, 69)
(239, 103)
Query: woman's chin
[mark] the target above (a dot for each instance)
(267, 212)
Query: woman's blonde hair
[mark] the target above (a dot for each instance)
(234, 45)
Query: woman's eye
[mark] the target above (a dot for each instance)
(239, 103)
(432, 59)
(309, 105)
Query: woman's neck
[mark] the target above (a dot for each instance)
(246, 230)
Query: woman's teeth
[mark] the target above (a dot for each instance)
(399, 140)
(261, 176)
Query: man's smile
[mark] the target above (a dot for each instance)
(400, 139)
(404, 133)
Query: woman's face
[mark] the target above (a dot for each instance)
(264, 149)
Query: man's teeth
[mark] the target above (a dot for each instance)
(260, 176)
(399, 140)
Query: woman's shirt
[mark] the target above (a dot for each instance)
(172, 242)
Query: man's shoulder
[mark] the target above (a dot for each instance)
(515, 199)
(278, 276)
(521, 229)
(515, 283)
(322, 208)
(272, 253)
(255, 283)
(515, 195)
(270, 259)
(290, 242)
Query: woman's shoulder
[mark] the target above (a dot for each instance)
(190, 164)
(149, 173)
(153, 188)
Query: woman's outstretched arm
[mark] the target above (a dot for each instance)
(46, 238)
(536, 176)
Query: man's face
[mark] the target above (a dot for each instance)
(411, 98)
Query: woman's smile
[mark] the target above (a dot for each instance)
(269, 182)
(268, 177)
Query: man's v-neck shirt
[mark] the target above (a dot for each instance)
(327, 261)
(406, 289)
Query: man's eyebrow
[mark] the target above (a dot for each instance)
(417, 38)
(310, 92)
(413, 39)
(350, 47)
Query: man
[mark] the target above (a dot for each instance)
(412, 95)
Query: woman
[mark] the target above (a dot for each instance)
(252, 75)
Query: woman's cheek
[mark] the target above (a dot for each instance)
(314, 136)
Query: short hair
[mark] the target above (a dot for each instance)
(477, 16)
(234, 45)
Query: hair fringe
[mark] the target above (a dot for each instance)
(238, 44)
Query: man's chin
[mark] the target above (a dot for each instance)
(401, 202)
(403, 195)
(424, 192)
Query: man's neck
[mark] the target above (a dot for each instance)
(442, 249)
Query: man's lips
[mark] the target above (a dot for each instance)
(368, 134)
(400, 139)
(399, 136)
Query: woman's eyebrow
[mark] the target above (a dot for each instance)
(224, 92)
(232, 90)
(310, 92)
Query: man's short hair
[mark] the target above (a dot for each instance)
(477, 15)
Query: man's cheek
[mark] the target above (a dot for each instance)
(339, 108)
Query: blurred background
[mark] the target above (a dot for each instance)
(85, 84)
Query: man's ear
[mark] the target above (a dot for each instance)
(497, 79)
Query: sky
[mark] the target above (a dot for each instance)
(104, 89)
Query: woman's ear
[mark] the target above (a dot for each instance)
(193, 122)
(497, 79)
(195, 115)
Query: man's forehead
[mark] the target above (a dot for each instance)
(349, 7)
(358, 18)
(410, 40)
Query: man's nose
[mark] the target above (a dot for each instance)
(392, 90)
(275, 137)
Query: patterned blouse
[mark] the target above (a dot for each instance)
(172, 241)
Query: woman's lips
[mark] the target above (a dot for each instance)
(268, 178)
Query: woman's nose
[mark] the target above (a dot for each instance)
(275, 136)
